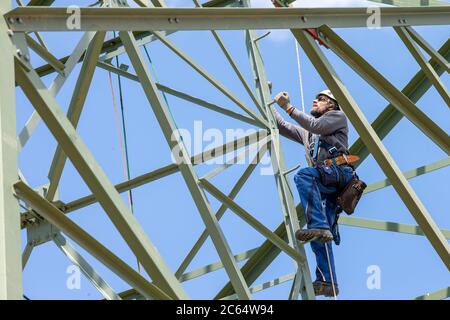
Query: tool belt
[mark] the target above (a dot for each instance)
(351, 192)
(340, 160)
(350, 195)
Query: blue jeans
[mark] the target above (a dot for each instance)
(318, 188)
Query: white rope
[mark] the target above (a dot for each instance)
(300, 80)
(331, 271)
(305, 143)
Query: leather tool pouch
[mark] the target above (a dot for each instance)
(350, 195)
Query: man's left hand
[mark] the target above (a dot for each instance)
(282, 99)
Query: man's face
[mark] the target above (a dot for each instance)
(319, 106)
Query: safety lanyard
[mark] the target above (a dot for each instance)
(316, 138)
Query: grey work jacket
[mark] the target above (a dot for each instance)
(331, 126)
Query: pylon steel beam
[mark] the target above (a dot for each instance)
(76, 107)
(390, 116)
(213, 19)
(155, 174)
(219, 214)
(85, 240)
(247, 217)
(418, 85)
(424, 64)
(385, 88)
(210, 78)
(94, 278)
(10, 242)
(375, 146)
(438, 295)
(73, 146)
(45, 54)
(104, 19)
(279, 167)
(186, 169)
(386, 226)
(436, 56)
(56, 86)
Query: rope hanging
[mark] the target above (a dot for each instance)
(308, 159)
(300, 80)
(122, 135)
(124, 145)
(163, 93)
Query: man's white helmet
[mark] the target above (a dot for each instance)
(328, 93)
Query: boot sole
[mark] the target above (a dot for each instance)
(308, 235)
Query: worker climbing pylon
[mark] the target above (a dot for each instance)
(320, 185)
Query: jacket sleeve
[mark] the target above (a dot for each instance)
(325, 125)
(289, 130)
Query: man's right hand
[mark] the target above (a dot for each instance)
(282, 99)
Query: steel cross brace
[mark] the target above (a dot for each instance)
(95, 178)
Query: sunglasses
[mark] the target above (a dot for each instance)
(322, 98)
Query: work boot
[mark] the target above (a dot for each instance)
(307, 235)
(322, 288)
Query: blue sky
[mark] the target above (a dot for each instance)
(409, 266)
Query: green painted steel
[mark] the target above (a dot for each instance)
(383, 124)
(438, 295)
(409, 174)
(266, 285)
(209, 105)
(45, 54)
(260, 146)
(412, 3)
(155, 174)
(386, 226)
(73, 146)
(214, 266)
(104, 19)
(76, 107)
(233, 193)
(57, 218)
(390, 116)
(247, 217)
(234, 65)
(429, 49)
(210, 78)
(385, 88)
(186, 169)
(242, 18)
(375, 146)
(10, 241)
(96, 280)
(424, 64)
(267, 252)
(279, 167)
(57, 84)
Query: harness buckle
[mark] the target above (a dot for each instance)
(332, 150)
(345, 157)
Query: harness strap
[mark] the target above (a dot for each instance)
(316, 146)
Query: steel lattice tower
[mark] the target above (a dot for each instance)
(45, 218)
